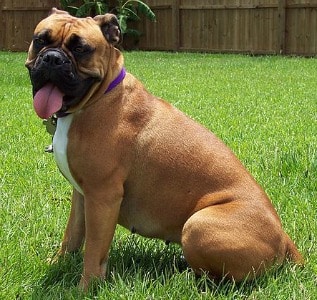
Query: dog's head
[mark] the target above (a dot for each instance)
(68, 58)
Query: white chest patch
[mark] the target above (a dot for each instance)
(60, 142)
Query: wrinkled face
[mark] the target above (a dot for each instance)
(67, 57)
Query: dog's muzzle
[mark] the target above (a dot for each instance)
(54, 58)
(54, 63)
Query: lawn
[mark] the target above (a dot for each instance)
(264, 108)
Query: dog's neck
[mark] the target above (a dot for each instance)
(116, 81)
(111, 86)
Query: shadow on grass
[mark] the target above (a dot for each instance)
(66, 272)
(134, 259)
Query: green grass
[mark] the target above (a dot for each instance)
(264, 108)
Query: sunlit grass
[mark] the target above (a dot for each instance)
(264, 108)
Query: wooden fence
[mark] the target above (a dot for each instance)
(247, 26)
(252, 26)
(18, 20)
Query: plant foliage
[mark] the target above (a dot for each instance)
(126, 10)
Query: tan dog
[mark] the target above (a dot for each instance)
(135, 160)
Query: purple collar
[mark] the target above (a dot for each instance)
(116, 81)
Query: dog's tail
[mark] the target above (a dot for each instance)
(293, 254)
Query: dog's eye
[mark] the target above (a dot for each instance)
(79, 49)
(41, 40)
(78, 46)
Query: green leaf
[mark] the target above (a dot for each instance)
(123, 22)
(72, 10)
(132, 15)
(84, 10)
(65, 4)
(142, 8)
(146, 10)
(101, 8)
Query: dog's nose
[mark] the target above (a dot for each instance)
(53, 58)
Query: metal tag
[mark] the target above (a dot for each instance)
(50, 125)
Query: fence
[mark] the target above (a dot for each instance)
(18, 20)
(252, 26)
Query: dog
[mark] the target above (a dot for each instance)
(135, 160)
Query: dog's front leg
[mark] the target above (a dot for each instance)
(75, 231)
(101, 214)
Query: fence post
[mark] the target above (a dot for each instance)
(2, 28)
(175, 22)
(281, 26)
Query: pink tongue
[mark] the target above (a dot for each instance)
(47, 101)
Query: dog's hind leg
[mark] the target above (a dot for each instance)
(233, 240)
(75, 231)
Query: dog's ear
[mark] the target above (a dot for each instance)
(110, 28)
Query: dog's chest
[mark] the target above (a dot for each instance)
(60, 142)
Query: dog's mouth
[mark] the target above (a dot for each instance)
(58, 97)
(57, 86)
(48, 100)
